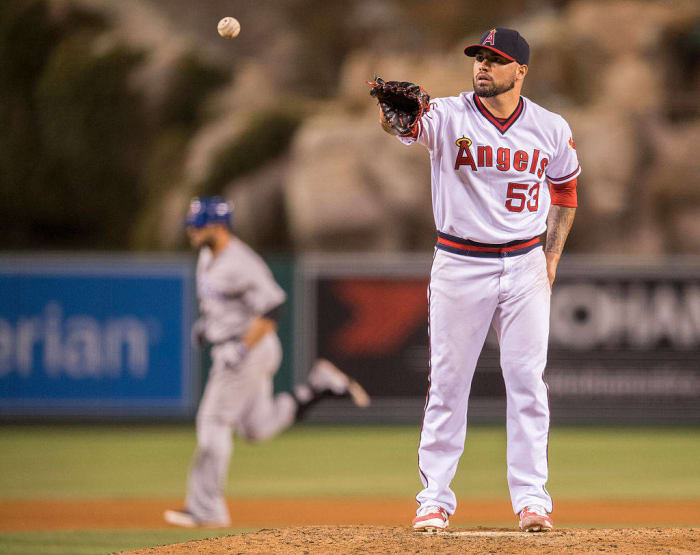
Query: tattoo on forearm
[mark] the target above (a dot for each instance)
(559, 221)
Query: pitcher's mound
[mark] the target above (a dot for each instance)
(378, 539)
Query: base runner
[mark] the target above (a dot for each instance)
(240, 305)
(504, 171)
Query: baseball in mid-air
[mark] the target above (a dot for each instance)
(229, 27)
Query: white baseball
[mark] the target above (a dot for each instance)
(229, 27)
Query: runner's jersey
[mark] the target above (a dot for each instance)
(233, 288)
(489, 175)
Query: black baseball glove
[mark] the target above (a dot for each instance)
(402, 104)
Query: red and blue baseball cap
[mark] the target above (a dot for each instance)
(504, 42)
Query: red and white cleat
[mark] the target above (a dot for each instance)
(534, 518)
(431, 518)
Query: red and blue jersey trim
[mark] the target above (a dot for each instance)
(566, 178)
(502, 124)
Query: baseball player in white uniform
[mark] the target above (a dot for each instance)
(239, 303)
(504, 171)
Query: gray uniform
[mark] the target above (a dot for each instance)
(234, 288)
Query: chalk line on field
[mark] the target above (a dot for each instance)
(485, 533)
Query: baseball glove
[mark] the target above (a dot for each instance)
(402, 104)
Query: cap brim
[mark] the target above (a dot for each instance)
(472, 49)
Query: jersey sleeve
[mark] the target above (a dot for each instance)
(563, 167)
(262, 293)
(264, 296)
(428, 126)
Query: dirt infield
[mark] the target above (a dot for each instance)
(356, 539)
(28, 515)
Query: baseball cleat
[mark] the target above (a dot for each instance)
(186, 519)
(326, 376)
(431, 519)
(534, 518)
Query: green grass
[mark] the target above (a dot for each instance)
(40, 462)
(625, 463)
(90, 542)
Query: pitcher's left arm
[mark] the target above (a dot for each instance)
(559, 222)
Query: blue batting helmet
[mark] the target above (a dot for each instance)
(208, 210)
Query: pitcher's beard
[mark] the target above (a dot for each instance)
(485, 91)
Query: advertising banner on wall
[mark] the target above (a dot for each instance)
(96, 337)
(624, 339)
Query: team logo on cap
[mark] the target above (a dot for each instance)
(490, 38)
(195, 206)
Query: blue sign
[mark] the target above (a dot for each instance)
(96, 337)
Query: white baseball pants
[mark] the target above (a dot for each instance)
(241, 400)
(466, 295)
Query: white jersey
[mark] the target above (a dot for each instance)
(233, 288)
(489, 175)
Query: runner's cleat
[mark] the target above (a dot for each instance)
(327, 377)
(186, 519)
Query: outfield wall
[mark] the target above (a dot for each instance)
(96, 337)
(624, 341)
(107, 337)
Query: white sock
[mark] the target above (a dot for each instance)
(303, 393)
